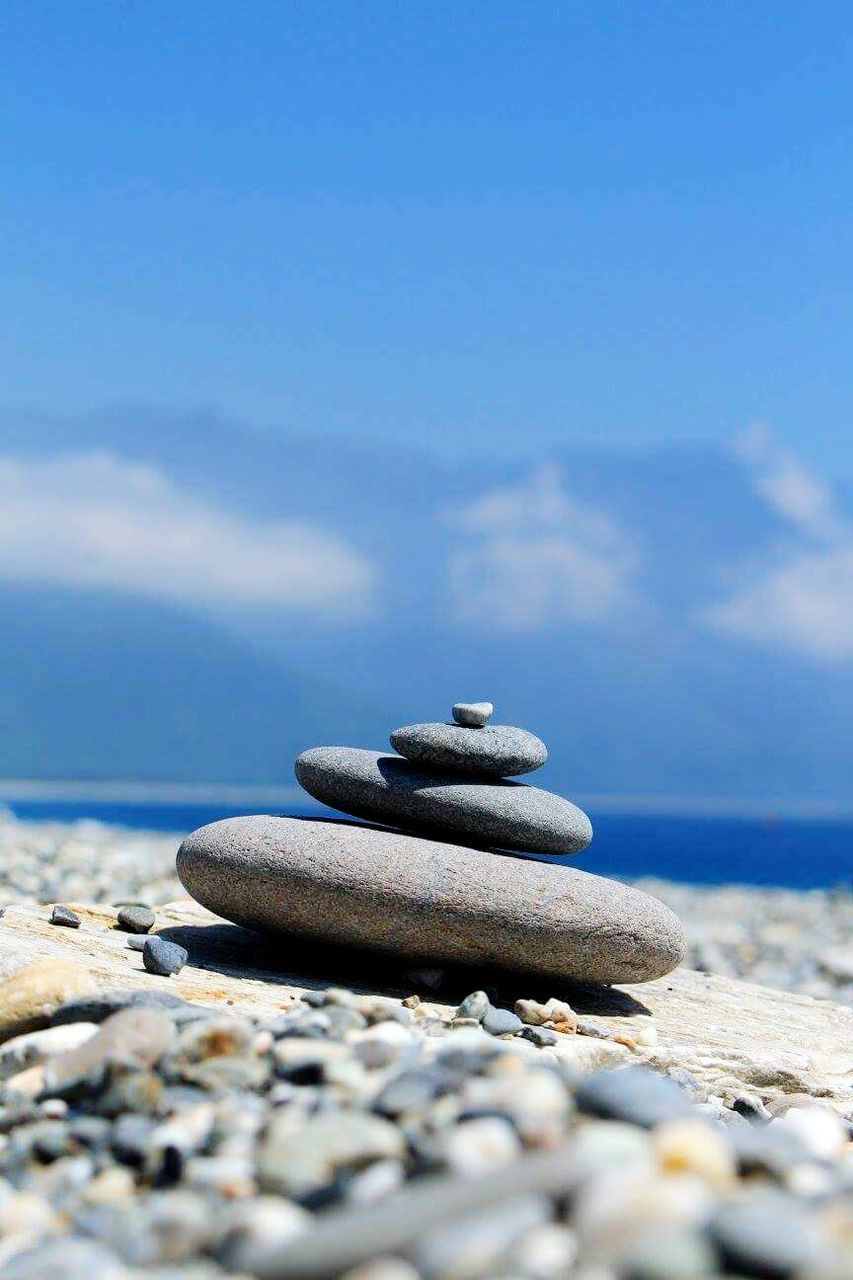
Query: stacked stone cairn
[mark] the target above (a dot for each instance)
(443, 879)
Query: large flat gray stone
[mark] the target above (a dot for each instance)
(508, 815)
(493, 751)
(412, 897)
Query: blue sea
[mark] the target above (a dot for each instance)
(795, 853)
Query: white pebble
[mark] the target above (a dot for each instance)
(477, 1146)
(821, 1131)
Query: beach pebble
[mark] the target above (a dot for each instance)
(497, 751)
(541, 1036)
(473, 715)
(301, 1161)
(258, 1230)
(24, 1213)
(473, 1245)
(378, 1181)
(135, 918)
(678, 1253)
(632, 1094)
(820, 1131)
(509, 815)
(691, 1146)
(66, 1260)
(501, 1022)
(767, 1234)
(413, 1090)
(113, 1186)
(64, 916)
(456, 904)
(32, 994)
(132, 1037)
(474, 1006)
(554, 1012)
(98, 1005)
(36, 1046)
(476, 1146)
(162, 957)
(620, 1207)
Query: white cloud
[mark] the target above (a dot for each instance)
(536, 556)
(789, 487)
(93, 520)
(802, 597)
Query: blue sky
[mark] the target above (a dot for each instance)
(463, 226)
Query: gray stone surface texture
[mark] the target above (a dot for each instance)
(495, 751)
(386, 789)
(419, 898)
(473, 715)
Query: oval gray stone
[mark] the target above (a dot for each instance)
(506, 815)
(427, 900)
(495, 751)
(473, 715)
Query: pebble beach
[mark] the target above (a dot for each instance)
(379, 1139)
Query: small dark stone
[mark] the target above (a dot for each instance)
(502, 1022)
(65, 916)
(162, 957)
(413, 1090)
(634, 1095)
(96, 1008)
(751, 1108)
(307, 1026)
(135, 919)
(542, 1036)
(316, 999)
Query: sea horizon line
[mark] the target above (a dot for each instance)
(135, 791)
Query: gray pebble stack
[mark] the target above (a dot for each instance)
(435, 884)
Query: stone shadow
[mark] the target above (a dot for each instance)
(237, 952)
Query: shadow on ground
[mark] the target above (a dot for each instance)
(238, 952)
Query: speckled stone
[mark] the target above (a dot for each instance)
(162, 957)
(135, 918)
(495, 751)
(386, 789)
(412, 897)
(473, 715)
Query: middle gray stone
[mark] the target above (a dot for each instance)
(384, 788)
(493, 751)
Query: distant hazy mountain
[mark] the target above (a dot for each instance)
(649, 615)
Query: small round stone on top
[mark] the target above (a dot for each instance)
(473, 715)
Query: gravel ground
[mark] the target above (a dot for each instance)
(357, 1136)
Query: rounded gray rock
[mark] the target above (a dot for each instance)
(508, 815)
(423, 899)
(473, 715)
(495, 751)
